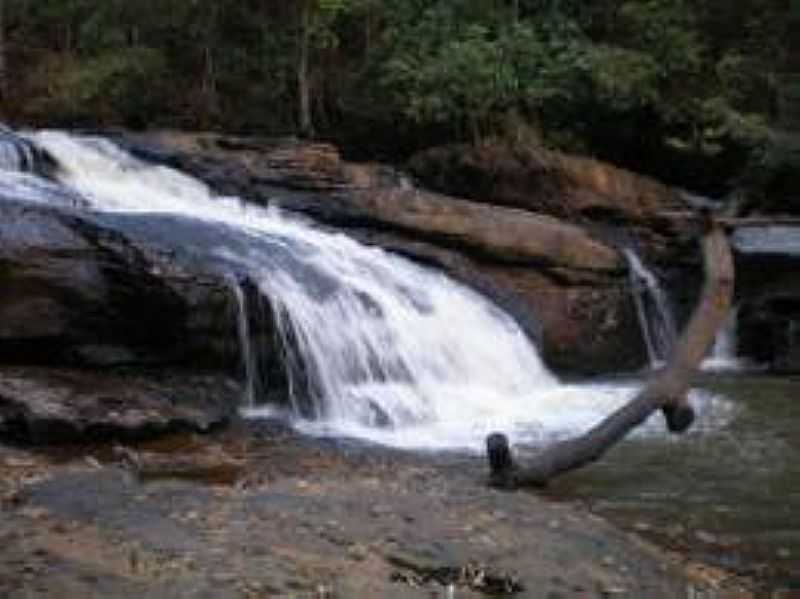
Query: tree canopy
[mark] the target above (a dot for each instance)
(682, 89)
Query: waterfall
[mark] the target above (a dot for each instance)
(16, 153)
(653, 309)
(248, 356)
(376, 346)
(21, 162)
(658, 324)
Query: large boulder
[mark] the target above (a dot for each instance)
(530, 177)
(106, 335)
(77, 293)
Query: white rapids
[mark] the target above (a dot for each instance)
(395, 353)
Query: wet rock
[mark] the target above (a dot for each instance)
(768, 295)
(706, 537)
(41, 405)
(78, 293)
(85, 294)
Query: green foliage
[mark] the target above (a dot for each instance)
(121, 78)
(637, 81)
(444, 69)
(111, 88)
(625, 79)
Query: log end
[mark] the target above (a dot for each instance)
(679, 416)
(501, 462)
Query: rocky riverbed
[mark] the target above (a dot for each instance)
(261, 512)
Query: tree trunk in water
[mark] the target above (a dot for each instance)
(306, 124)
(665, 390)
(3, 61)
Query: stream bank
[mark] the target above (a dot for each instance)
(264, 512)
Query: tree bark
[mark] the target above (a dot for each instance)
(789, 77)
(209, 78)
(306, 124)
(209, 84)
(665, 390)
(3, 57)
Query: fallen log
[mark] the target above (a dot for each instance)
(666, 389)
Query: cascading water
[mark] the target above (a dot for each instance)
(248, 354)
(377, 346)
(725, 344)
(653, 309)
(16, 153)
(658, 324)
(724, 352)
(20, 161)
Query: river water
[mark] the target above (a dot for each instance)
(729, 495)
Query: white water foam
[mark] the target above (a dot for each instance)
(723, 356)
(15, 153)
(391, 352)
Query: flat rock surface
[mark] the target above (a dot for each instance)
(278, 515)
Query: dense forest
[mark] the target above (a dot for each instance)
(683, 89)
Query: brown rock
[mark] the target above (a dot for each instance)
(40, 405)
(541, 180)
(500, 234)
